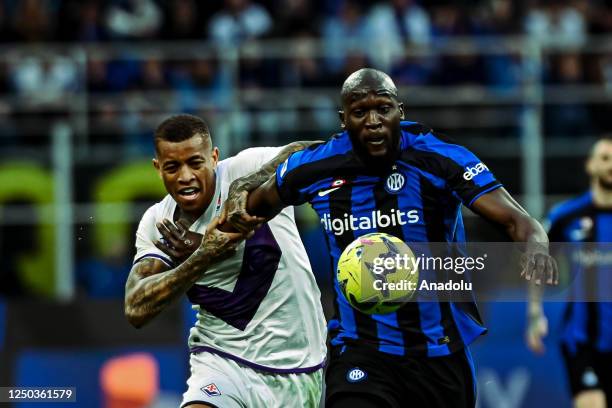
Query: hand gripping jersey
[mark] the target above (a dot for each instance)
(417, 199)
(262, 306)
(585, 323)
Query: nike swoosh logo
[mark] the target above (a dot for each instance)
(323, 193)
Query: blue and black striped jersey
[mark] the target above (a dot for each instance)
(585, 323)
(418, 199)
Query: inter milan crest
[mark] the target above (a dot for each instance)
(355, 375)
(395, 181)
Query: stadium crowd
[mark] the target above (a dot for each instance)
(351, 34)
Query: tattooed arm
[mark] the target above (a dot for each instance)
(236, 204)
(151, 285)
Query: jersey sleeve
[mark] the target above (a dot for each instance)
(250, 160)
(469, 177)
(465, 175)
(290, 176)
(146, 234)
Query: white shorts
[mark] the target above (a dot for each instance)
(224, 383)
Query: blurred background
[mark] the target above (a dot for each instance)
(526, 85)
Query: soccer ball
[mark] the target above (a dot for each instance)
(375, 273)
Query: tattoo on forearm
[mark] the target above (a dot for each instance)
(254, 180)
(148, 293)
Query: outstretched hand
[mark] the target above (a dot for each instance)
(538, 266)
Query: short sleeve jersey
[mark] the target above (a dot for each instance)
(261, 307)
(417, 198)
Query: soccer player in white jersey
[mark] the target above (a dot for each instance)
(259, 340)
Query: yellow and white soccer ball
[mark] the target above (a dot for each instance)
(371, 283)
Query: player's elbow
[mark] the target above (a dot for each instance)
(133, 316)
(135, 320)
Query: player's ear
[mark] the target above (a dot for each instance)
(400, 106)
(341, 115)
(215, 155)
(157, 167)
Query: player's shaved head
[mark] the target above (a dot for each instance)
(367, 80)
(371, 115)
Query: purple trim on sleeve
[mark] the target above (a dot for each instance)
(254, 366)
(486, 190)
(161, 258)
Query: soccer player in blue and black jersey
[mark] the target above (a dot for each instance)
(384, 174)
(586, 340)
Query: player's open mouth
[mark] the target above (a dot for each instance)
(376, 141)
(189, 193)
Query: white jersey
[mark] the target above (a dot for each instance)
(261, 307)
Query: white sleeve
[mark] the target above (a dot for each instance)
(146, 234)
(250, 160)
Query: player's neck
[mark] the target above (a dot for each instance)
(602, 197)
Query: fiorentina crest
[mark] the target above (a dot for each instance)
(211, 390)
